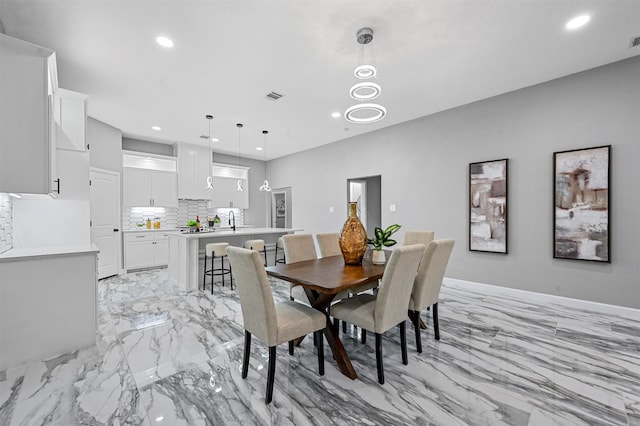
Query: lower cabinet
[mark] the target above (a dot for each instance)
(146, 249)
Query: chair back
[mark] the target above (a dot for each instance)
(418, 237)
(254, 289)
(395, 289)
(299, 247)
(426, 289)
(329, 244)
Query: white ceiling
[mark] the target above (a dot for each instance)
(431, 55)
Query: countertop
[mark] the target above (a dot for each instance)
(143, 229)
(20, 253)
(239, 231)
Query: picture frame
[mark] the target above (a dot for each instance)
(581, 190)
(488, 206)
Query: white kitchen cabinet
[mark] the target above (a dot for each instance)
(146, 249)
(73, 172)
(225, 179)
(70, 112)
(194, 166)
(226, 193)
(27, 144)
(144, 187)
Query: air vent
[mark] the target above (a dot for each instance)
(273, 96)
(635, 41)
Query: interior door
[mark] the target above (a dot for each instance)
(279, 209)
(105, 219)
(358, 194)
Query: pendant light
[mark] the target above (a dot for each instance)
(210, 177)
(239, 183)
(265, 185)
(365, 111)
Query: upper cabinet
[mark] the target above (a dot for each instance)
(149, 181)
(226, 181)
(70, 113)
(27, 144)
(194, 167)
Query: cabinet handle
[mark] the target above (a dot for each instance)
(58, 182)
(115, 229)
(139, 236)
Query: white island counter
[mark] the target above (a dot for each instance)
(184, 249)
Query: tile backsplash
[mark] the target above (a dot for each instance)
(6, 226)
(171, 217)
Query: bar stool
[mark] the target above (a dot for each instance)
(214, 250)
(257, 245)
(280, 245)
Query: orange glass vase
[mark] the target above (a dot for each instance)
(353, 239)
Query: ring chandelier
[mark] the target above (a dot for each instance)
(366, 91)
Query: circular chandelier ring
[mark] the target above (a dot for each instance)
(365, 91)
(364, 72)
(379, 110)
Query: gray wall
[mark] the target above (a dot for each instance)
(425, 172)
(105, 145)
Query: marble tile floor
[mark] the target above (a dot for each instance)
(167, 357)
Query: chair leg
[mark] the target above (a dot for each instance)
(265, 256)
(230, 276)
(363, 336)
(247, 352)
(436, 327)
(222, 263)
(344, 326)
(403, 342)
(319, 337)
(212, 274)
(379, 358)
(290, 347)
(336, 326)
(415, 318)
(204, 275)
(270, 374)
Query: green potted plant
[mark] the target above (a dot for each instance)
(382, 239)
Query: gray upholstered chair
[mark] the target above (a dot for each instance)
(418, 237)
(329, 244)
(426, 289)
(385, 310)
(298, 248)
(257, 245)
(270, 322)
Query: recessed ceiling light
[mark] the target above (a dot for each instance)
(156, 128)
(577, 22)
(215, 140)
(164, 41)
(258, 148)
(335, 114)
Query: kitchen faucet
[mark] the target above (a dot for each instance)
(232, 219)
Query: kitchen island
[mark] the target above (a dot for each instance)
(184, 249)
(48, 302)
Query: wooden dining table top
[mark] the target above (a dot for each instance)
(327, 275)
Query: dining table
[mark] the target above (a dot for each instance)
(322, 279)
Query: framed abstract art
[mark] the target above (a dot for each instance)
(488, 206)
(581, 204)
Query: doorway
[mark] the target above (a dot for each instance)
(281, 208)
(367, 192)
(105, 219)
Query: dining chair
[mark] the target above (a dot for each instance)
(272, 323)
(298, 248)
(385, 310)
(418, 237)
(426, 288)
(329, 244)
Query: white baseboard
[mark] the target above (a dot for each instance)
(545, 298)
